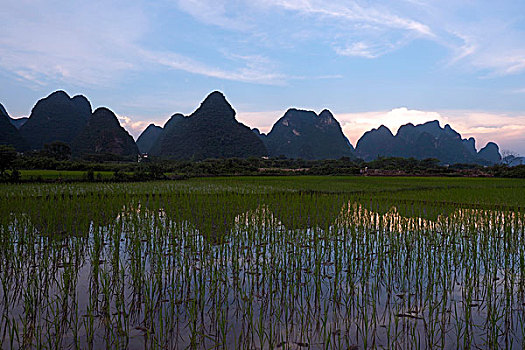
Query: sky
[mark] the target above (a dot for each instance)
(370, 62)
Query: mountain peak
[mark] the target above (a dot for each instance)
(470, 145)
(58, 95)
(153, 126)
(326, 114)
(490, 153)
(215, 105)
(106, 115)
(103, 110)
(383, 129)
(210, 132)
(148, 137)
(81, 102)
(9, 134)
(56, 117)
(215, 98)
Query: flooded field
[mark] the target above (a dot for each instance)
(324, 263)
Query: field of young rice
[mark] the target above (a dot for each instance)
(271, 263)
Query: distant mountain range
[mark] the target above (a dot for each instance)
(428, 140)
(212, 131)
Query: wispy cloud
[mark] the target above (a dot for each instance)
(487, 36)
(252, 70)
(352, 11)
(488, 42)
(72, 42)
(97, 42)
(218, 12)
(337, 22)
(360, 49)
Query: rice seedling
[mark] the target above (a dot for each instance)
(263, 263)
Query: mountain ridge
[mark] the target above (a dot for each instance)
(57, 117)
(212, 131)
(182, 137)
(426, 140)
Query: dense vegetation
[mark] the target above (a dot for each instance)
(54, 163)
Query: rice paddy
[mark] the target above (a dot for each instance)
(264, 263)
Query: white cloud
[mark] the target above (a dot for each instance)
(356, 124)
(132, 125)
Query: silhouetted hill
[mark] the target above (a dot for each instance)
(56, 118)
(470, 145)
(103, 134)
(375, 143)
(490, 153)
(210, 132)
(9, 135)
(422, 141)
(304, 134)
(148, 137)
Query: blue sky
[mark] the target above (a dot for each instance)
(370, 62)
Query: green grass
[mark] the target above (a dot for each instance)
(61, 174)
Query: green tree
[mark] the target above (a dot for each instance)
(57, 150)
(7, 158)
